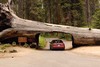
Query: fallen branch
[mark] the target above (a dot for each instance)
(16, 26)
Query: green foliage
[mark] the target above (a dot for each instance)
(42, 42)
(37, 13)
(65, 12)
(50, 35)
(57, 35)
(73, 12)
(29, 9)
(62, 36)
(96, 19)
(69, 37)
(26, 45)
(66, 36)
(5, 46)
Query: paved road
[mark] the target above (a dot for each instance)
(47, 58)
(51, 59)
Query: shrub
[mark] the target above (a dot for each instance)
(42, 42)
(26, 45)
(33, 45)
(5, 45)
(66, 36)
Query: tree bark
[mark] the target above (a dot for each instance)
(88, 12)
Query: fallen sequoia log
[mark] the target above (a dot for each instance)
(11, 26)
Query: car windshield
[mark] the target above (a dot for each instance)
(57, 41)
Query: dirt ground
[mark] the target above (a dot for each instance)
(21, 51)
(88, 50)
(26, 57)
(88, 56)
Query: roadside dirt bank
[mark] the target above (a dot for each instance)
(21, 51)
(88, 50)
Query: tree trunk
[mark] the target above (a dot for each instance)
(88, 12)
(23, 27)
